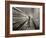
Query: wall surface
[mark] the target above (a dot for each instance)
(2, 19)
